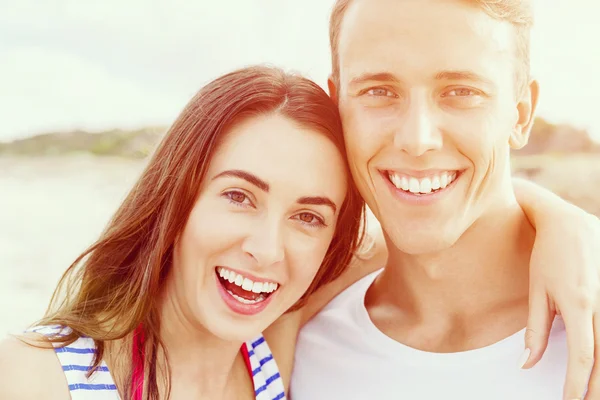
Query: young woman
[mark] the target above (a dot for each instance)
(245, 210)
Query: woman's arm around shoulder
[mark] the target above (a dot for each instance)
(29, 372)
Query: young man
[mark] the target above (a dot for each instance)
(433, 95)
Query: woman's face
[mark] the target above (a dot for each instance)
(261, 226)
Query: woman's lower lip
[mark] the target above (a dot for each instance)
(236, 306)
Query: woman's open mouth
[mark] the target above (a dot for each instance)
(243, 294)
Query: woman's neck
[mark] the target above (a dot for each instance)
(200, 365)
(199, 362)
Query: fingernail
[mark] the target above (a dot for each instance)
(524, 358)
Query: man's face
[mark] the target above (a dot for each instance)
(430, 109)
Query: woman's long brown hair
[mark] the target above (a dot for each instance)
(113, 287)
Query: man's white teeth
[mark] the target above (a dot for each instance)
(245, 283)
(422, 185)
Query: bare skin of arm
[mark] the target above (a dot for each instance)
(28, 372)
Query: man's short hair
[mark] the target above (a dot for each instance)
(517, 12)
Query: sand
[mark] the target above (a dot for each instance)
(51, 209)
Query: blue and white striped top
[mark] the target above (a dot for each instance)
(76, 360)
(268, 384)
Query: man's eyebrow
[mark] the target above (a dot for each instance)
(317, 201)
(247, 176)
(457, 75)
(374, 76)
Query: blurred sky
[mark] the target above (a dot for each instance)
(67, 64)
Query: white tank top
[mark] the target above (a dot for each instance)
(341, 354)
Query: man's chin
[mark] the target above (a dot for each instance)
(422, 242)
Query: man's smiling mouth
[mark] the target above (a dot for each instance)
(423, 185)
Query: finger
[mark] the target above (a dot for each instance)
(579, 325)
(594, 381)
(539, 323)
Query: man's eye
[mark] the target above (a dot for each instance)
(380, 92)
(462, 92)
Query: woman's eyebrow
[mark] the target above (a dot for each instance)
(245, 175)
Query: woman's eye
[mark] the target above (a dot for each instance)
(306, 217)
(238, 198)
(310, 219)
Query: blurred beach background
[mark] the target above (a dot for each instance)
(88, 88)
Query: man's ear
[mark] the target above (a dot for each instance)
(333, 89)
(526, 116)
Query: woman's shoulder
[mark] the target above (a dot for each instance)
(29, 369)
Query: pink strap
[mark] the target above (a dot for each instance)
(246, 357)
(138, 361)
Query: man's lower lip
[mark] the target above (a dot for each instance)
(422, 199)
(240, 308)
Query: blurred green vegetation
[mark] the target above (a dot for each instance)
(137, 143)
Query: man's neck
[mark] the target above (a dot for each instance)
(459, 295)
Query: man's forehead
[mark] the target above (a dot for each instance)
(381, 35)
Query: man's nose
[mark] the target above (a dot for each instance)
(418, 134)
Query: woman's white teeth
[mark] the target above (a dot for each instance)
(422, 185)
(245, 283)
(239, 280)
(257, 287)
(246, 301)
